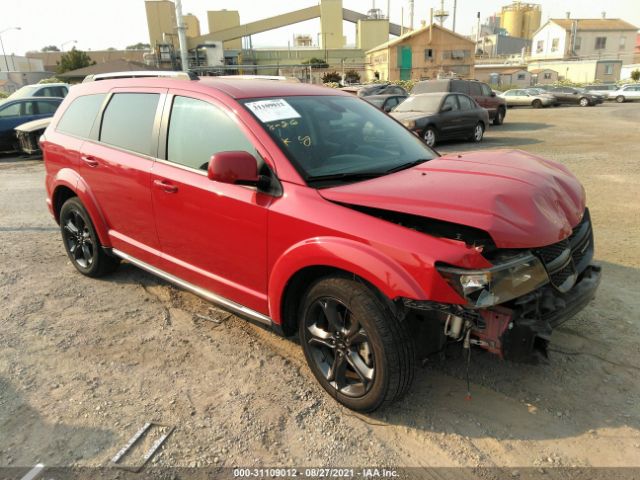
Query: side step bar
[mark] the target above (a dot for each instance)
(201, 292)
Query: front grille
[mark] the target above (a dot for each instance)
(566, 259)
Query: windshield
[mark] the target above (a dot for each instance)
(22, 92)
(425, 103)
(334, 139)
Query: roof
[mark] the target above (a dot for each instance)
(233, 88)
(120, 65)
(514, 70)
(413, 33)
(540, 70)
(595, 24)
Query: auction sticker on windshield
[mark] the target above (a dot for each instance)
(272, 110)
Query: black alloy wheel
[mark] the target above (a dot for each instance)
(339, 347)
(79, 244)
(81, 241)
(359, 352)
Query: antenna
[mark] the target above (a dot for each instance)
(441, 14)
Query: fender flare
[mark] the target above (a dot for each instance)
(69, 178)
(389, 277)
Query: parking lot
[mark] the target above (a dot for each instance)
(85, 363)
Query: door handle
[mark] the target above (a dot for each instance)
(165, 186)
(89, 160)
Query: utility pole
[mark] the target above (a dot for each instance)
(455, 8)
(182, 37)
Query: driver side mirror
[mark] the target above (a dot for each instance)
(234, 168)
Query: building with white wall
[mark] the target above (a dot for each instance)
(587, 39)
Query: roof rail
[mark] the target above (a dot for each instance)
(141, 74)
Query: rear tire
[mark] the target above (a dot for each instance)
(620, 99)
(499, 118)
(81, 241)
(359, 352)
(536, 104)
(584, 102)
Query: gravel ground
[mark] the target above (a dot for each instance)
(85, 363)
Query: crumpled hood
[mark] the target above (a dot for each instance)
(521, 200)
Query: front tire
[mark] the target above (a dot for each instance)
(620, 99)
(478, 132)
(429, 136)
(536, 104)
(81, 241)
(359, 352)
(584, 102)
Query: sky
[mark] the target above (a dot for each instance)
(100, 24)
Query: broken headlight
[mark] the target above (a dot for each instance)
(501, 283)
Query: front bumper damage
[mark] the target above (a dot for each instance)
(517, 329)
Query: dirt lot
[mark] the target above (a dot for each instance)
(85, 363)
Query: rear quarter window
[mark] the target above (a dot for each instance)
(128, 121)
(79, 117)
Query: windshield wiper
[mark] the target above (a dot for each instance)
(404, 166)
(346, 176)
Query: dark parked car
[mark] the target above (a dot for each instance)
(22, 110)
(376, 89)
(314, 213)
(479, 91)
(443, 116)
(386, 103)
(575, 96)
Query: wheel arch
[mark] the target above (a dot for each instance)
(68, 184)
(302, 265)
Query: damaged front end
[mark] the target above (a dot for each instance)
(513, 307)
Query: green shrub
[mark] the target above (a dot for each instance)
(331, 77)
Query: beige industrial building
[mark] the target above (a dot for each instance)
(226, 29)
(426, 53)
(521, 19)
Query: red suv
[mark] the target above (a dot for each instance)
(309, 210)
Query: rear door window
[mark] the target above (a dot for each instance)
(128, 122)
(46, 108)
(198, 130)
(79, 117)
(475, 90)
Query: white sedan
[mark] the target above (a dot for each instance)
(625, 93)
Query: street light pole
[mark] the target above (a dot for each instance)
(2, 44)
(64, 43)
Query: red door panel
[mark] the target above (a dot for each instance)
(120, 182)
(212, 234)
